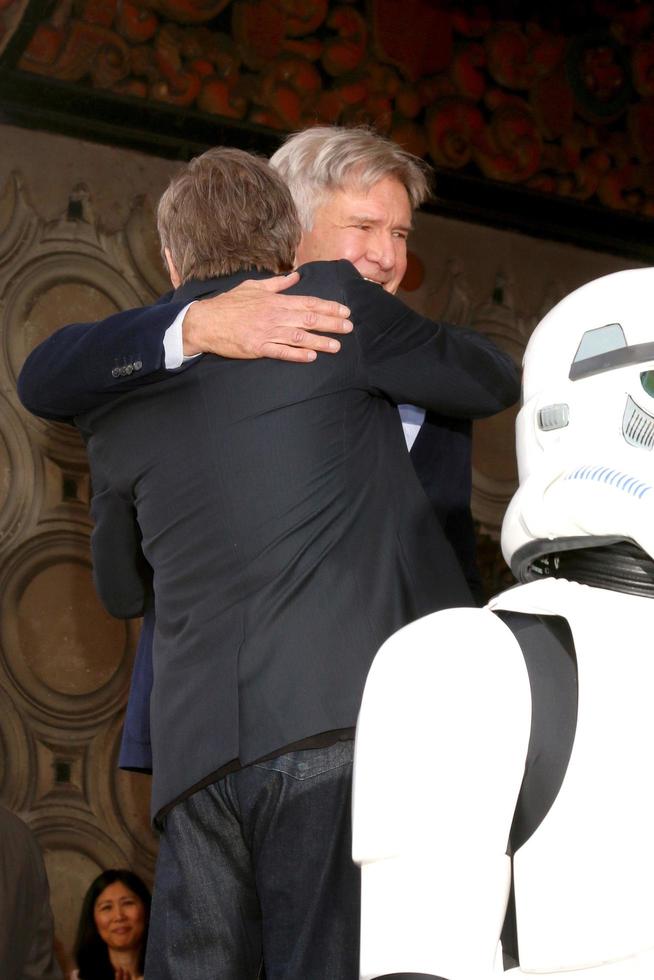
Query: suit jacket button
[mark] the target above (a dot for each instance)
(115, 372)
(137, 365)
(123, 371)
(128, 369)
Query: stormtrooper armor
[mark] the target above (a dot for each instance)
(503, 793)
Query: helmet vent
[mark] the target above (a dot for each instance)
(553, 417)
(637, 426)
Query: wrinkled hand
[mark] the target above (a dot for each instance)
(257, 319)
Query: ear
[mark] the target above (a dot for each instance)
(175, 277)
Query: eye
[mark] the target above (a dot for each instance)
(647, 381)
(401, 234)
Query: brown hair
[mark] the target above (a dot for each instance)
(225, 211)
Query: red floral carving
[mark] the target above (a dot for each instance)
(411, 136)
(517, 59)
(514, 101)
(473, 23)
(88, 50)
(134, 23)
(216, 96)
(176, 86)
(43, 49)
(99, 12)
(553, 104)
(465, 72)
(602, 76)
(187, 11)
(259, 28)
(510, 147)
(417, 51)
(622, 188)
(304, 16)
(641, 128)
(453, 127)
(289, 87)
(643, 68)
(345, 52)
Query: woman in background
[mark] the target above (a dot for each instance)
(113, 928)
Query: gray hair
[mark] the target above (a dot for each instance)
(322, 159)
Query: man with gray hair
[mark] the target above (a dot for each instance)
(355, 193)
(288, 536)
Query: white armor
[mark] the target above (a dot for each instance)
(446, 716)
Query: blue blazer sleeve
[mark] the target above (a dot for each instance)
(83, 365)
(135, 747)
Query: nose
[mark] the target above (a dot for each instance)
(381, 250)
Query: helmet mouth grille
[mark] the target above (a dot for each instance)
(637, 426)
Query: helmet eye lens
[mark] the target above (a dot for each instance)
(647, 381)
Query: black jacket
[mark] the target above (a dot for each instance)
(278, 508)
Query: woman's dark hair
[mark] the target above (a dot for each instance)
(91, 953)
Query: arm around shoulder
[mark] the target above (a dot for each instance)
(455, 371)
(81, 365)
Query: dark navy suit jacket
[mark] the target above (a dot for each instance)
(52, 386)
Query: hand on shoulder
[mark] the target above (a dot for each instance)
(258, 319)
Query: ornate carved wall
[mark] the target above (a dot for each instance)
(71, 252)
(64, 662)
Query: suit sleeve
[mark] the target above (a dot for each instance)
(83, 365)
(121, 574)
(442, 368)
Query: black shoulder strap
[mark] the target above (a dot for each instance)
(549, 651)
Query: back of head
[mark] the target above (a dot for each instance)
(585, 432)
(318, 161)
(226, 211)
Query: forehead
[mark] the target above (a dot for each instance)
(115, 891)
(386, 199)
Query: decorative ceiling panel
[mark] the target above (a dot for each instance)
(557, 105)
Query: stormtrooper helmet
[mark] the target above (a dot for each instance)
(585, 432)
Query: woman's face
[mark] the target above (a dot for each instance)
(119, 917)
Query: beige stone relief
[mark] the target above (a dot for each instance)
(65, 664)
(501, 284)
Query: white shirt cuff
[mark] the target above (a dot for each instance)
(173, 342)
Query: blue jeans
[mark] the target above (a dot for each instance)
(255, 873)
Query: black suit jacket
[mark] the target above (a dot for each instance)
(287, 531)
(85, 365)
(442, 458)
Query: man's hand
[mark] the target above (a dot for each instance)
(257, 319)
